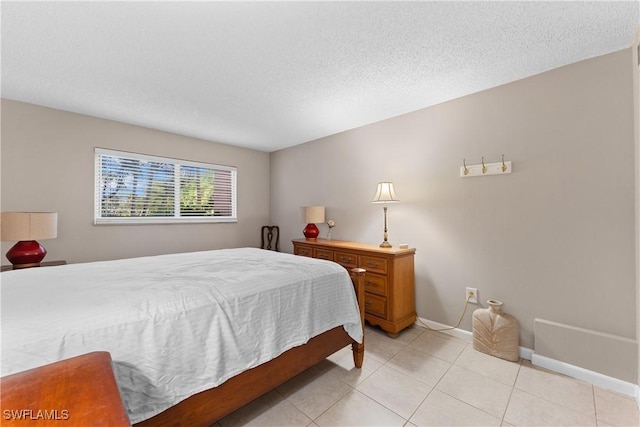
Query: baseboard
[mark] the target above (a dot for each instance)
(525, 353)
(611, 355)
(594, 378)
(573, 371)
(454, 332)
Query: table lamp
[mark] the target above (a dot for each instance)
(385, 194)
(313, 215)
(26, 228)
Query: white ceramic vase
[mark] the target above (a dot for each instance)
(496, 333)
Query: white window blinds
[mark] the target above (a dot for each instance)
(137, 188)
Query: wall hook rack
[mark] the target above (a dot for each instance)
(484, 169)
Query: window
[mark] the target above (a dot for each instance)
(135, 188)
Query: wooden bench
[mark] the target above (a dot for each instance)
(80, 391)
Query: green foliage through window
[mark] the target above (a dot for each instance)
(139, 188)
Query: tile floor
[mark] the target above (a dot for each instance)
(425, 378)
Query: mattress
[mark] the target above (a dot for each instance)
(175, 324)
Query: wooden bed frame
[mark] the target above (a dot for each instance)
(207, 407)
(85, 386)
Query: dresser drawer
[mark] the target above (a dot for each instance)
(323, 254)
(346, 259)
(373, 264)
(303, 251)
(375, 283)
(375, 305)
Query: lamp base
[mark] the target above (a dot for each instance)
(385, 244)
(311, 231)
(25, 254)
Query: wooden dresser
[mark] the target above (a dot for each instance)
(389, 281)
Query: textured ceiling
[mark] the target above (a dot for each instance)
(269, 75)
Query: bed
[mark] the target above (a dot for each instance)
(192, 336)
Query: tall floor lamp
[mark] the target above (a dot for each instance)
(385, 194)
(26, 228)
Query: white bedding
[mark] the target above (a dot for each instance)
(174, 324)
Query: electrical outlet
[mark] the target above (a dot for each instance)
(471, 295)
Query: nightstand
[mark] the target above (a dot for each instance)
(42, 264)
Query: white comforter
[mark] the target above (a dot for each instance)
(174, 324)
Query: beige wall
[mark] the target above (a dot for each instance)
(47, 164)
(555, 239)
(635, 50)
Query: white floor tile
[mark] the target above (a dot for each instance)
(554, 387)
(421, 366)
(528, 410)
(313, 392)
(424, 378)
(395, 390)
(356, 409)
(268, 410)
(616, 409)
(477, 390)
(380, 346)
(491, 366)
(343, 368)
(440, 409)
(438, 345)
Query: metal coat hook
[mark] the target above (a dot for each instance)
(485, 169)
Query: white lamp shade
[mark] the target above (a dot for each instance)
(385, 193)
(314, 214)
(23, 226)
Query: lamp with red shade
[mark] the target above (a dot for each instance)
(27, 228)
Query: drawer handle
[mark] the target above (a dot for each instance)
(372, 264)
(323, 256)
(345, 259)
(368, 282)
(368, 303)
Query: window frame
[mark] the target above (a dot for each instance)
(176, 219)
